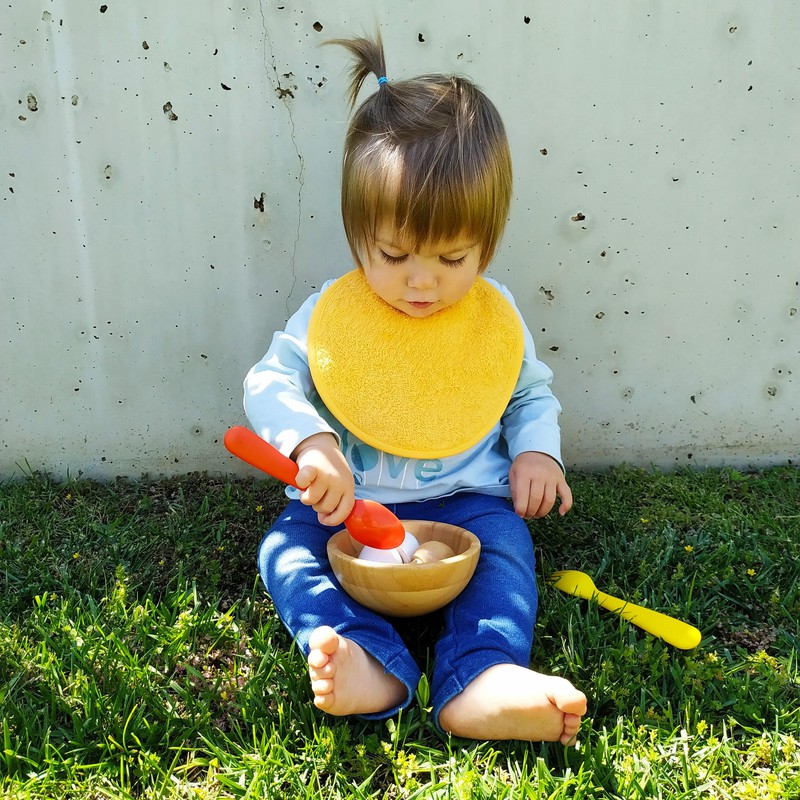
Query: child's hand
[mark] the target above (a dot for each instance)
(325, 478)
(536, 480)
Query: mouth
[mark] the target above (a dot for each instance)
(420, 305)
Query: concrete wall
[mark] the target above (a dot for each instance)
(169, 196)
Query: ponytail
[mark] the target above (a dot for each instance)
(368, 59)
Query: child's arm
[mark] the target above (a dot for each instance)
(279, 392)
(536, 480)
(277, 400)
(530, 427)
(325, 478)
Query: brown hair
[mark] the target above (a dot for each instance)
(429, 153)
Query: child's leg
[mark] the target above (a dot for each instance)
(357, 662)
(482, 685)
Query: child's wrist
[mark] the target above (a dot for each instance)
(317, 441)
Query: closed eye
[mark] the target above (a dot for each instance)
(452, 262)
(392, 259)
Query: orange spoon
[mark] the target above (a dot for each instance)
(369, 522)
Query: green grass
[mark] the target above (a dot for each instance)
(140, 657)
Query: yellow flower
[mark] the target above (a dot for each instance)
(259, 509)
(76, 555)
(688, 548)
(751, 572)
(645, 521)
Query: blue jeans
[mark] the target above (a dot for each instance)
(491, 622)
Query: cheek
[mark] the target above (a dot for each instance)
(465, 282)
(381, 280)
(379, 277)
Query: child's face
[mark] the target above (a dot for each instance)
(421, 282)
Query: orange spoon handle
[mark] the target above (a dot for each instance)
(369, 522)
(245, 444)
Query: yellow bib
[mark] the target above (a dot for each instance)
(419, 388)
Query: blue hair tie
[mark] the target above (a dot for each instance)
(383, 79)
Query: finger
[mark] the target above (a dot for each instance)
(548, 500)
(536, 499)
(326, 503)
(330, 519)
(305, 477)
(313, 495)
(566, 499)
(521, 497)
(339, 514)
(307, 498)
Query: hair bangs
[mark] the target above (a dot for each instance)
(427, 193)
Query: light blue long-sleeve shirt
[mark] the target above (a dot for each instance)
(284, 409)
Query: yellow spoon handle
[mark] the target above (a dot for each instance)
(673, 631)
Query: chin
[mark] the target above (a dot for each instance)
(419, 313)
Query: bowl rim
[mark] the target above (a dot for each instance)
(472, 551)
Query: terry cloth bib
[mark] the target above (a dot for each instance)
(418, 388)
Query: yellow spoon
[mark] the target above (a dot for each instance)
(673, 631)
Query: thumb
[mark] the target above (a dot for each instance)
(566, 498)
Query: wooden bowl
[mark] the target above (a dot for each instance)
(406, 590)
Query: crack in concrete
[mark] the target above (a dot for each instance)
(285, 95)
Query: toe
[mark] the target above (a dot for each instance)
(320, 673)
(323, 701)
(324, 639)
(321, 687)
(569, 741)
(572, 724)
(317, 659)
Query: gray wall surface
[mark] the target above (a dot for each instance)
(169, 196)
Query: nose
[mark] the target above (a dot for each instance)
(420, 274)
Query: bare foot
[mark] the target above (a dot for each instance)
(346, 679)
(511, 702)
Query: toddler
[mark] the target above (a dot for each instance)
(413, 381)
